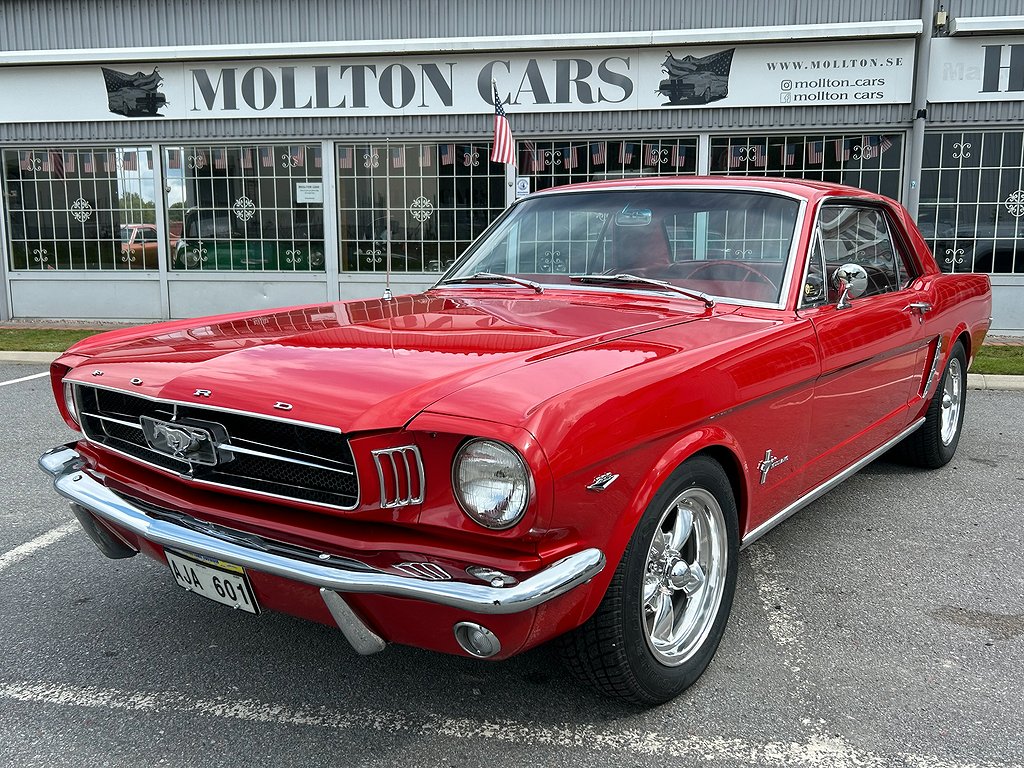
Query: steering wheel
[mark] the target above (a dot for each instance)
(749, 271)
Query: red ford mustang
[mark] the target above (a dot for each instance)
(572, 435)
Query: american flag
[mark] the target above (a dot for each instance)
(266, 157)
(626, 153)
(173, 159)
(447, 154)
(297, 156)
(760, 155)
(815, 152)
(219, 160)
(842, 149)
(788, 154)
(57, 164)
(69, 162)
(317, 160)
(148, 156)
(678, 156)
(44, 166)
(344, 157)
(504, 149)
(426, 156)
(652, 156)
(109, 162)
(735, 156)
(886, 143)
(398, 157)
(569, 157)
(89, 163)
(532, 156)
(247, 158)
(868, 147)
(129, 161)
(598, 153)
(27, 161)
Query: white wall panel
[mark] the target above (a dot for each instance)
(86, 299)
(196, 297)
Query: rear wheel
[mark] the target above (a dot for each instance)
(933, 445)
(666, 608)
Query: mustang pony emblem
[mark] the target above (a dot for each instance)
(182, 441)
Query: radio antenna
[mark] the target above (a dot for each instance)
(387, 219)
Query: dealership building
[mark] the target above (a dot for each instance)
(182, 158)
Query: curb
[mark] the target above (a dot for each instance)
(974, 380)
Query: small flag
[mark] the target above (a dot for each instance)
(45, 165)
(760, 155)
(815, 152)
(788, 155)
(266, 157)
(88, 162)
(569, 157)
(447, 154)
(504, 148)
(842, 148)
(247, 159)
(598, 153)
(69, 162)
(886, 143)
(317, 160)
(174, 159)
(345, 157)
(426, 156)
(297, 156)
(626, 153)
(219, 160)
(129, 161)
(678, 156)
(57, 164)
(735, 156)
(109, 162)
(868, 147)
(651, 155)
(27, 161)
(398, 157)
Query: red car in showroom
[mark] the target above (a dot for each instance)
(571, 435)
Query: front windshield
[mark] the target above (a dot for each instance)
(726, 243)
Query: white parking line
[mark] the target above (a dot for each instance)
(29, 548)
(816, 750)
(24, 378)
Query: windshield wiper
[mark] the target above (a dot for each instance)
(495, 276)
(627, 278)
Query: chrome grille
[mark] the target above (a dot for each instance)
(266, 456)
(400, 472)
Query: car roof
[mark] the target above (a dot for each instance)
(805, 188)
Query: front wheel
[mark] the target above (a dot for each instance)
(666, 608)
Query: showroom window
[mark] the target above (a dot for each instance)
(554, 163)
(869, 161)
(423, 203)
(245, 208)
(83, 208)
(972, 200)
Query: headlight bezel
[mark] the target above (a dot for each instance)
(476, 515)
(70, 403)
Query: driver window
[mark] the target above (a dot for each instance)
(859, 235)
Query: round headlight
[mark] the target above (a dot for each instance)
(492, 483)
(69, 400)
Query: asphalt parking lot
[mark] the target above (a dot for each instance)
(882, 626)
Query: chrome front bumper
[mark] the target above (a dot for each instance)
(65, 464)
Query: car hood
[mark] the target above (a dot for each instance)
(361, 365)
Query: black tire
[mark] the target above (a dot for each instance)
(929, 447)
(616, 651)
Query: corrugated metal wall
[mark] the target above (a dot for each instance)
(973, 113)
(548, 125)
(113, 24)
(983, 7)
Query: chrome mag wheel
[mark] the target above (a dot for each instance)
(952, 399)
(684, 577)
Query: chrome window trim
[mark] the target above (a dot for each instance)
(222, 486)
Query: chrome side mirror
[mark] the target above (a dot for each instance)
(850, 280)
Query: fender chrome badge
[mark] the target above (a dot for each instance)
(202, 393)
(768, 463)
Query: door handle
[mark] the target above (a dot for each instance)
(920, 306)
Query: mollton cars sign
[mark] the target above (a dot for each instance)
(863, 72)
